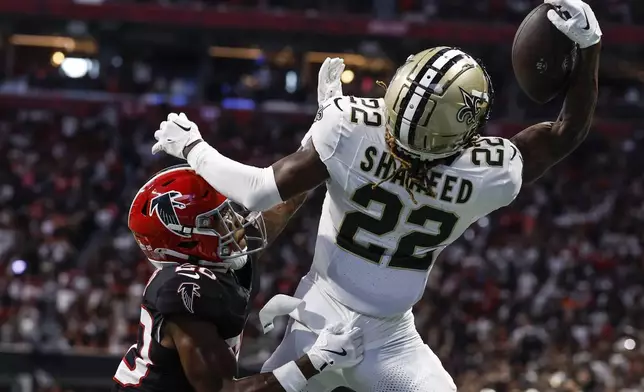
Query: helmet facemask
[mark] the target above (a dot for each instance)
(240, 233)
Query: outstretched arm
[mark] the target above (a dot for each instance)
(277, 217)
(210, 365)
(257, 189)
(543, 145)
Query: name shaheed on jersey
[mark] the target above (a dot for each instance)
(405, 176)
(448, 188)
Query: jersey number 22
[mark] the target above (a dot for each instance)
(403, 256)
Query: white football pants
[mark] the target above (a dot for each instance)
(395, 360)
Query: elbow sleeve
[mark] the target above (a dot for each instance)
(265, 194)
(254, 188)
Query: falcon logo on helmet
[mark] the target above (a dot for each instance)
(165, 206)
(177, 217)
(188, 292)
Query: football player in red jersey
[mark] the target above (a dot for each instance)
(196, 303)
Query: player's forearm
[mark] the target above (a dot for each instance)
(579, 106)
(278, 217)
(268, 382)
(252, 187)
(543, 145)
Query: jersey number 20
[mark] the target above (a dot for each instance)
(403, 256)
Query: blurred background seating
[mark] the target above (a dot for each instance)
(544, 294)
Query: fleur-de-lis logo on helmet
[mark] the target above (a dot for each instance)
(471, 110)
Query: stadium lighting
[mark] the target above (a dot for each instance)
(75, 68)
(235, 53)
(347, 76)
(86, 45)
(291, 82)
(57, 59)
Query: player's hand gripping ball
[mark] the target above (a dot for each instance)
(545, 48)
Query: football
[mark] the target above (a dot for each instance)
(543, 58)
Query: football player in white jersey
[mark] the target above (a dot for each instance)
(405, 176)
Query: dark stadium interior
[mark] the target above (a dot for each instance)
(543, 295)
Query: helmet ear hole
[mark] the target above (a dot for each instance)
(144, 209)
(188, 244)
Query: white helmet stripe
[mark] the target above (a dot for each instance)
(444, 59)
(414, 103)
(402, 103)
(433, 75)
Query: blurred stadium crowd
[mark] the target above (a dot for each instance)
(623, 11)
(545, 294)
(549, 285)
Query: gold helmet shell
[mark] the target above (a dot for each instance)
(437, 101)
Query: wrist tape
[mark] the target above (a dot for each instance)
(290, 377)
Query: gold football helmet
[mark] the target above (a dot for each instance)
(436, 102)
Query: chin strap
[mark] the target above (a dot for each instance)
(233, 263)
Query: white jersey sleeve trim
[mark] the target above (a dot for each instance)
(515, 171)
(502, 185)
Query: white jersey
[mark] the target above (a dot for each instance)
(375, 245)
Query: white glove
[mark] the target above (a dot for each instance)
(576, 20)
(329, 83)
(337, 347)
(175, 134)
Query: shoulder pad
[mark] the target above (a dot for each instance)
(343, 117)
(503, 178)
(324, 131)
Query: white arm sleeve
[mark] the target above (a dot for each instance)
(253, 187)
(250, 186)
